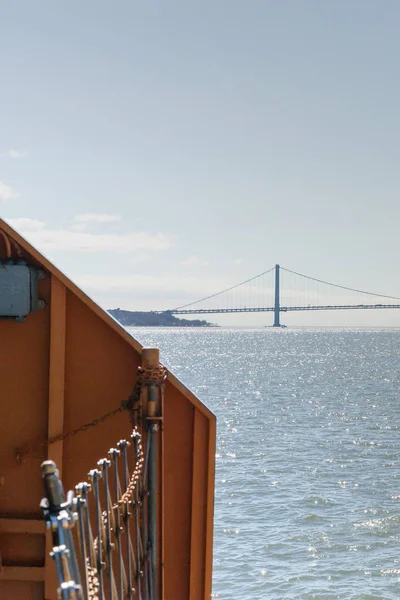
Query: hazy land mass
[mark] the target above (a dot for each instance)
(130, 318)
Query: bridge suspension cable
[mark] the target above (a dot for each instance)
(339, 286)
(223, 291)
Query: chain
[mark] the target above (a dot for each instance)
(157, 374)
(21, 453)
(93, 582)
(127, 496)
(126, 499)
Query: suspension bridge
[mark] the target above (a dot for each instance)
(281, 290)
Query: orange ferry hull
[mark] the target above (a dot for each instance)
(67, 364)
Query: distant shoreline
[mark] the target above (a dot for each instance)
(130, 318)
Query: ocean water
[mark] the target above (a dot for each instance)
(308, 455)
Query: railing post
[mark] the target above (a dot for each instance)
(277, 322)
(150, 360)
(60, 519)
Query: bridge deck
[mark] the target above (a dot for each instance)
(208, 311)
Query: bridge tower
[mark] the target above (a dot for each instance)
(277, 322)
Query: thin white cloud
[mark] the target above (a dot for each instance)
(15, 154)
(25, 224)
(149, 283)
(238, 261)
(194, 261)
(79, 226)
(47, 238)
(7, 193)
(96, 218)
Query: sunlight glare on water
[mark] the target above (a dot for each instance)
(307, 481)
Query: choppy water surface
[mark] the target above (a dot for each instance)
(308, 481)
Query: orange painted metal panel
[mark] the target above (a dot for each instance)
(64, 366)
(56, 399)
(178, 445)
(199, 482)
(21, 590)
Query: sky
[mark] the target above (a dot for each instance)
(158, 152)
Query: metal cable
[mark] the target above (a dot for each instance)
(343, 287)
(223, 291)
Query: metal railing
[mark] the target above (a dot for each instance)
(100, 535)
(104, 536)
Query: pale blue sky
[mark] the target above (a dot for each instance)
(231, 135)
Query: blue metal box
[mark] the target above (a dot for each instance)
(18, 291)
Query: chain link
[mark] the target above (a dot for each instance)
(127, 496)
(93, 582)
(157, 374)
